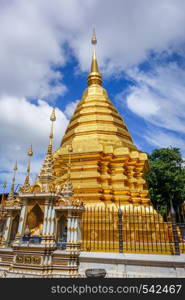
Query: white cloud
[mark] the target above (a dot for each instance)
(33, 35)
(30, 49)
(159, 96)
(70, 108)
(142, 102)
(23, 123)
(161, 139)
(128, 30)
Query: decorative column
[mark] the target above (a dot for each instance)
(49, 219)
(79, 229)
(22, 222)
(75, 232)
(69, 227)
(7, 230)
(45, 218)
(73, 229)
(45, 223)
(52, 227)
(49, 222)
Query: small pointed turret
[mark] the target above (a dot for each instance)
(11, 193)
(46, 172)
(52, 119)
(27, 179)
(94, 76)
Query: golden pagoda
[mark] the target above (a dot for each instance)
(90, 196)
(111, 167)
(108, 173)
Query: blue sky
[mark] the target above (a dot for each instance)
(45, 57)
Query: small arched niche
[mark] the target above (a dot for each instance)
(62, 232)
(35, 220)
(14, 228)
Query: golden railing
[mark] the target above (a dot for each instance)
(132, 231)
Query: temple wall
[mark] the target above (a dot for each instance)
(126, 265)
(121, 265)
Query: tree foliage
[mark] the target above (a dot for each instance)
(166, 178)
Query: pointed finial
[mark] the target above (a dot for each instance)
(94, 76)
(53, 116)
(27, 179)
(52, 119)
(11, 193)
(94, 39)
(46, 172)
(30, 151)
(15, 167)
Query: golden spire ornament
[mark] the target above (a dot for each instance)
(15, 168)
(27, 179)
(30, 151)
(46, 172)
(94, 39)
(52, 119)
(94, 76)
(11, 193)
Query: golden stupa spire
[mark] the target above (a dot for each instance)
(52, 119)
(11, 193)
(94, 76)
(46, 172)
(27, 179)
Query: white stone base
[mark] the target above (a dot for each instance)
(133, 265)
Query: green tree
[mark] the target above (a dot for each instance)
(166, 178)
